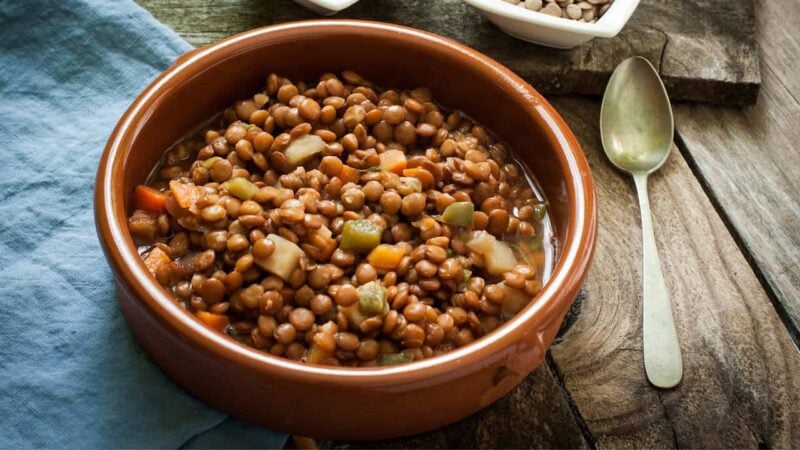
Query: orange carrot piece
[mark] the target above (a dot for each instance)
(149, 199)
(186, 193)
(393, 161)
(155, 259)
(424, 177)
(349, 174)
(215, 321)
(386, 256)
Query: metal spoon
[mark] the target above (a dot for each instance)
(636, 128)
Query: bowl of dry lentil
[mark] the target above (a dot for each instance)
(306, 233)
(557, 23)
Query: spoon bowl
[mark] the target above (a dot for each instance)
(636, 124)
(636, 128)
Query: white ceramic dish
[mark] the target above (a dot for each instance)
(326, 7)
(539, 28)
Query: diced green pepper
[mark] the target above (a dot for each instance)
(360, 235)
(467, 275)
(539, 211)
(372, 299)
(242, 188)
(459, 214)
(390, 359)
(210, 161)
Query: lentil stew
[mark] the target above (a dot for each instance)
(337, 223)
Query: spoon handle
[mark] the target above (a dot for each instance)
(662, 353)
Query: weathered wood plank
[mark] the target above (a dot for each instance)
(750, 161)
(701, 54)
(741, 383)
(533, 415)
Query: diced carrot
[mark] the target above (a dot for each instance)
(149, 199)
(316, 354)
(424, 177)
(393, 161)
(386, 256)
(186, 193)
(155, 259)
(215, 321)
(349, 174)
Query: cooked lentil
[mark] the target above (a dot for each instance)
(336, 223)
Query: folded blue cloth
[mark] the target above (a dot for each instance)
(70, 373)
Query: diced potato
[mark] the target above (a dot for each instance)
(155, 259)
(500, 259)
(303, 149)
(497, 255)
(481, 242)
(284, 259)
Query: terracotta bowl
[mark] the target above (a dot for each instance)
(344, 403)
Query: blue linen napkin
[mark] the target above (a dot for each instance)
(70, 373)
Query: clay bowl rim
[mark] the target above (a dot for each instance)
(570, 271)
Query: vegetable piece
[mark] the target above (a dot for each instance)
(283, 260)
(539, 211)
(143, 224)
(372, 299)
(316, 354)
(185, 192)
(425, 178)
(481, 242)
(210, 161)
(409, 185)
(393, 161)
(242, 188)
(215, 321)
(390, 359)
(360, 235)
(386, 256)
(349, 174)
(303, 149)
(500, 259)
(497, 255)
(459, 214)
(149, 199)
(155, 259)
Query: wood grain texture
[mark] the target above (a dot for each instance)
(532, 415)
(701, 54)
(750, 161)
(741, 383)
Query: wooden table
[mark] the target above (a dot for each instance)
(726, 208)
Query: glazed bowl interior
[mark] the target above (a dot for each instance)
(207, 80)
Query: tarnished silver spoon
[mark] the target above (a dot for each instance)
(636, 127)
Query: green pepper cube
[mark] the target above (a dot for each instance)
(458, 214)
(372, 299)
(243, 188)
(360, 235)
(539, 211)
(390, 359)
(210, 161)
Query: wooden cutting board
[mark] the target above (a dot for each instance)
(705, 50)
